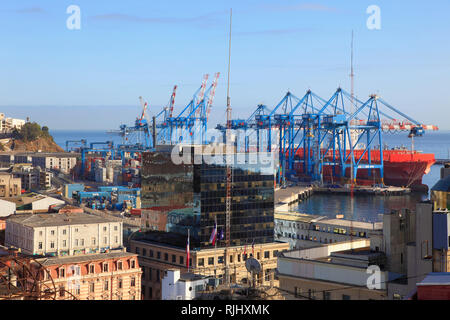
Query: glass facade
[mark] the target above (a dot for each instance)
(193, 196)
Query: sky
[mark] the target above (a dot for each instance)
(91, 78)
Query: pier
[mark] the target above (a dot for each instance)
(387, 191)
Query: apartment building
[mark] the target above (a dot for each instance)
(10, 186)
(107, 276)
(60, 161)
(63, 234)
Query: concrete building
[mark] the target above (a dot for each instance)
(161, 251)
(300, 230)
(335, 271)
(32, 178)
(107, 276)
(62, 161)
(63, 234)
(187, 286)
(10, 186)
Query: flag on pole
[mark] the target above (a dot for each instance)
(213, 237)
(187, 251)
(245, 249)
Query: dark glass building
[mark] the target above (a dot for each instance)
(192, 196)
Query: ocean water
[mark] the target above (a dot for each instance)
(361, 208)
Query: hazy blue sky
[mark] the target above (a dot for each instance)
(91, 78)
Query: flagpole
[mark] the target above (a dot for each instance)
(188, 249)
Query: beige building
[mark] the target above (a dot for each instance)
(60, 161)
(63, 234)
(335, 271)
(10, 186)
(107, 276)
(303, 230)
(156, 258)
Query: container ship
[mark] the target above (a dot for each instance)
(402, 168)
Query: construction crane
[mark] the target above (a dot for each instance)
(229, 172)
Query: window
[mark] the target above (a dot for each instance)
(174, 258)
(115, 228)
(62, 291)
(62, 272)
(144, 251)
(275, 253)
(166, 256)
(76, 229)
(326, 295)
(297, 292)
(149, 273)
(133, 264)
(220, 259)
(133, 282)
(181, 260)
(151, 253)
(64, 231)
(258, 256)
(231, 259)
(76, 242)
(91, 287)
(137, 250)
(266, 254)
(93, 241)
(116, 239)
(119, 283)
(52, 232)
(106, 285)
(210, 261)
(201, 262)
(157, 275)
(119, 265)
(64, 243)
(150, 292)
(345, 297)
(82, 242)
(91, 268)
(158, 255)
(40, 233)
(40, 245)
(104, 228)
(105, 267)
(239, 257)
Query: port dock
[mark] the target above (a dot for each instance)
(362, 190)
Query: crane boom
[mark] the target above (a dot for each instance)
(172, 101)
(211, 96)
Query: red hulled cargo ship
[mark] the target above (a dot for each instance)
(402, 168)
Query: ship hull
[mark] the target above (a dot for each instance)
(402, 168)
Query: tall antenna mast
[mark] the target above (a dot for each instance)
(352, 75)
(228, 141)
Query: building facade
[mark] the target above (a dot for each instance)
(332, 272)
(155, 258)
(193, 196)
(9, 185)
(107, 276)
(63, 234)
(301, 230)
(187, 286)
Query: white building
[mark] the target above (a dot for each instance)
(63, 234)
(301, 230)
(186, 286)
(7, 208)
(63, 162)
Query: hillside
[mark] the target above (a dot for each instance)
(31, 137)
(43, 144)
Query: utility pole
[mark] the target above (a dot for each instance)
(229, 180)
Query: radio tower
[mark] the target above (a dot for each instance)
(229, 180)
(352, 75)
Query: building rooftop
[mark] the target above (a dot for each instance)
(57, 219)
(41, 154)
(306, 218)
(436, 279)
(85, 258)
